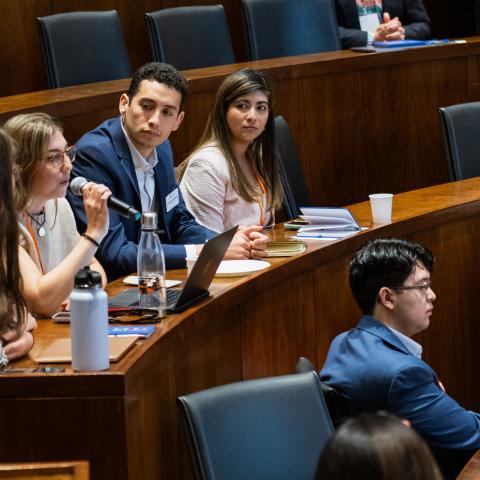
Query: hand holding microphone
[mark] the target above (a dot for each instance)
(95, 198)
(115, 204)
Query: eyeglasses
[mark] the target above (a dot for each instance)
(423, 287)
(57, 159)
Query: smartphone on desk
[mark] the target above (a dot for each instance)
(16, 371)
(61, 317)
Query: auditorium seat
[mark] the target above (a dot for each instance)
(462, 140)
(335, 403)
(266, 428)
(295, 192)
(280, 28)
(83, 47)
(190, 37)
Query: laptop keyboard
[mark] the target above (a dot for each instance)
(172, 296)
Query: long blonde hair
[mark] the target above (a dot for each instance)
(12, 305)
(32, 133)
(261, 152)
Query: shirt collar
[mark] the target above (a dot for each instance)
(139, 161)
(411, 345)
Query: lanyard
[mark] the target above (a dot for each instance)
(34, 238)
(264, 193)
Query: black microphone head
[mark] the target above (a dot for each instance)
(77, 184)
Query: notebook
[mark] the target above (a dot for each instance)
(198, 282)
(60, 350)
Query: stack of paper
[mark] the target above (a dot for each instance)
(328, 223)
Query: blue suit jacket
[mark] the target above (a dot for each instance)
(372, 370)
(103, 156)
(411, 13)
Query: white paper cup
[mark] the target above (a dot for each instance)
(381, 204)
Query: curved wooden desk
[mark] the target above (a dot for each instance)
(124, 421)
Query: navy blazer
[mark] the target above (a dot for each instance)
(103, 156)
(373, 370)
(411, 13)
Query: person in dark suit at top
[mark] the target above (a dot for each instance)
(377, 366)
(131, 154)
(362, 22)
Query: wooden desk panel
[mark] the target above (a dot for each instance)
(20, 56)
(125, 421)
(361, 123)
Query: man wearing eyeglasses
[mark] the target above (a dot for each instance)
(377, 365)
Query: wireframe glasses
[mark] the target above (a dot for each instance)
(423, 287)
(57, 159)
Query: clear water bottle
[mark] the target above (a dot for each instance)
(89, 322)
(151, 267)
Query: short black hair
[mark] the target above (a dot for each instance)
(161, 73)
(385, 262)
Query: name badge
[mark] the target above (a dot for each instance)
(369, 23)
(172, 199)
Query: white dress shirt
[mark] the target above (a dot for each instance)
(146, 182)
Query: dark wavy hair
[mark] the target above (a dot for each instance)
(384, 262)
(377, 447)
(261, 152)
(161, 73)
(12, 305)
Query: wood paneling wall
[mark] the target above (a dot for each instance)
(20, 52)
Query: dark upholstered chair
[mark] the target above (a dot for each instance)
(83, 47)
(294, 185)
(257, 429)
(461, 131)
(190, 37)
(336, 405)
(279, 28)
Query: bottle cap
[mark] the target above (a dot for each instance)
(86, 278)
(149, 221)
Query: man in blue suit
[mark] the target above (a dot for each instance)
(363, 22)
(133, 157)
(377, 366)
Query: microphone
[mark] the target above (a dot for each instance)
(113, 203)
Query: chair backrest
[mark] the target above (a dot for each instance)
(83, 47)
(279, 28)
(190, 37)
(257, 429)
(294, 185)
(461, 131)
(335, 403)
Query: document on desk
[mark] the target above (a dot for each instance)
(408, 43)
(327, 223)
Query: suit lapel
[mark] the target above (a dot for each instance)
(121, 147)
(369, 324)
(160, 191)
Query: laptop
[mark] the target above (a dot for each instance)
(196, 285)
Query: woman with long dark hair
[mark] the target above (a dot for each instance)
(15, 323)
(232, 177)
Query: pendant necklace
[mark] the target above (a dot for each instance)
(39, 221)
